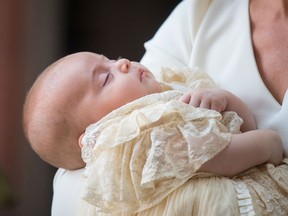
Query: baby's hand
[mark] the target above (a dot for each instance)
(215, 99)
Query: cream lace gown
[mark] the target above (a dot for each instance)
(142, 159)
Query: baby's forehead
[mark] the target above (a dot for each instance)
(71, 65)
(86, 57)
(62, 76)
(81, 62)
(72, 72)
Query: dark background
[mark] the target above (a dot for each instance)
(35, 33)
(114, 28)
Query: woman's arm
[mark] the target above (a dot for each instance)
(246, 150)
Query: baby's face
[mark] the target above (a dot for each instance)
(101, 85)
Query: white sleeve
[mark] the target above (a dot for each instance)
(172, 44)
(67, 192)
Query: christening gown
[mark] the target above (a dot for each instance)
(142, 159)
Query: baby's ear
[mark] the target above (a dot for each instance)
(80, 140)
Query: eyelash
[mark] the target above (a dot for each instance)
(106, 79)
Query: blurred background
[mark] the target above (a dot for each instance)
(35, 33)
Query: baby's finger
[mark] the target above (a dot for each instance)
(217, 107)
(195, 101)
(185, 98)
(205, 104)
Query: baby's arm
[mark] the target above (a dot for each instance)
(248, 149)
(220, 100)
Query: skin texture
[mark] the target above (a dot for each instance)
(250, 148)
(113, 84)
(269, 32)
(220, 100)
(73, 93)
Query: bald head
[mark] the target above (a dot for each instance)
(51, 117)
(75, 92)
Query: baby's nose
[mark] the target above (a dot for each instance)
(123, 65)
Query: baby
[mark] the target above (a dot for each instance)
(73, 93)
(83, 88)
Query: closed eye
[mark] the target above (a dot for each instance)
(106, 79)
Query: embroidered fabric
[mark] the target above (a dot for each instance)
(137, 160)
(142, 158)
(268, 186)
(138, 154)
(244, 198)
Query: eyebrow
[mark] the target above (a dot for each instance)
(98, 69)
(95, 82)
(95, 76)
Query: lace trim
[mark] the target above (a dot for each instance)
(93, 131)
(138, 154)
(244, 198)
(268, 187)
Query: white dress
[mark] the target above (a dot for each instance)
(214, 35)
